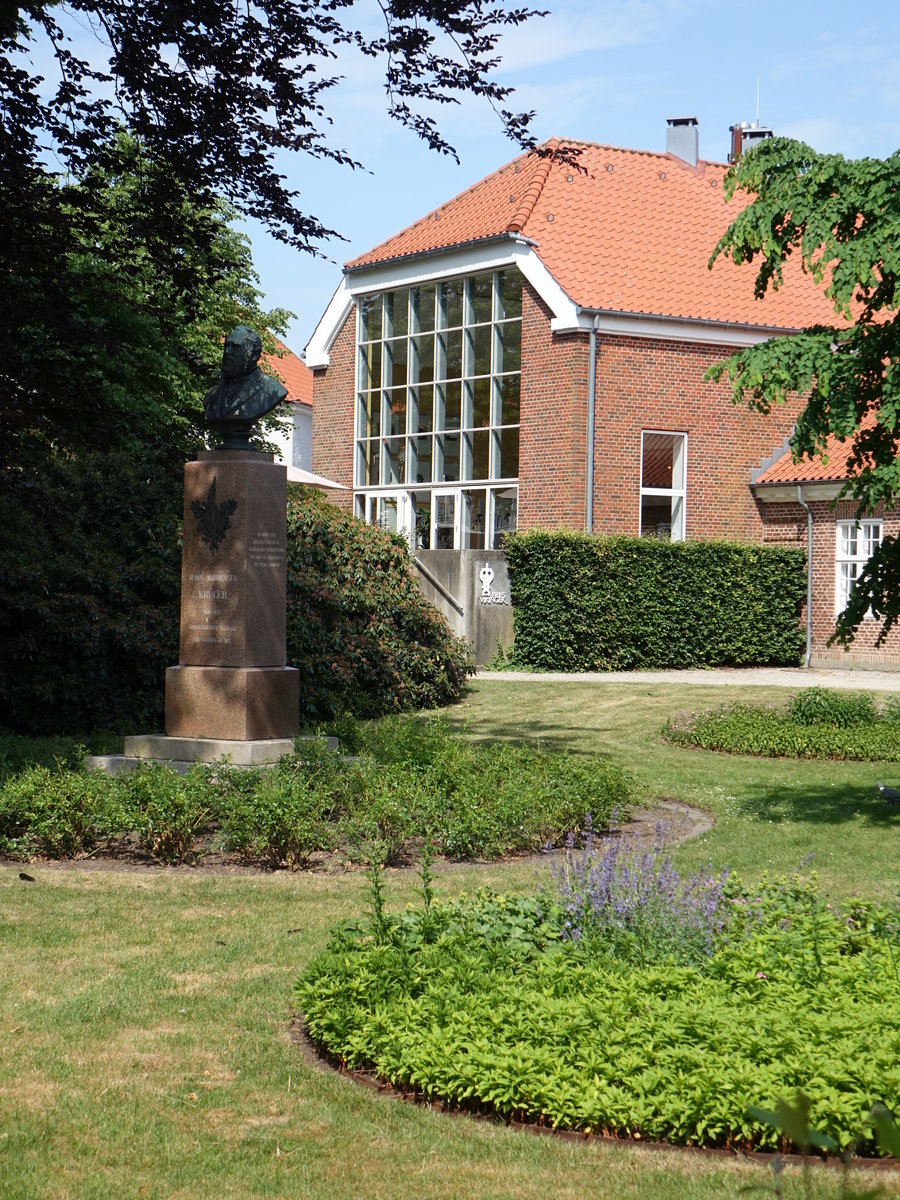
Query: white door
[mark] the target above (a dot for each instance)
(445, 519)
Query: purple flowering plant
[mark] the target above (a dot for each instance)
(616, 896)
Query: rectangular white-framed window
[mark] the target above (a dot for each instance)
(855, 543)
(663, 481)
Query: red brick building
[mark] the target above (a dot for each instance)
(533, 353)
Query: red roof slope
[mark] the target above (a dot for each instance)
(814, 470)
(293, 372)
(631, 232)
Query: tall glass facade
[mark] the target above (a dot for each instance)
(437, 425)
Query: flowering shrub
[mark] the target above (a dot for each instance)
(622, 899)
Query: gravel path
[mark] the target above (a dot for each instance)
(858, 679)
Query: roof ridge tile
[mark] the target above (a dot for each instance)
(533, 191)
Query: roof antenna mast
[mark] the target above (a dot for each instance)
(757, 100)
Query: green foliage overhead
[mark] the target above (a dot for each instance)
(480, 1003)
(587, 603)
(123, 287)
(359, 629)
(220, 91)
(842, 217)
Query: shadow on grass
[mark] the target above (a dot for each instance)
(816, 804)
(552, 736)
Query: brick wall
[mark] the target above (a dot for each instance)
(552, 457)
(333, 425)
(643, 383)
(786, 524)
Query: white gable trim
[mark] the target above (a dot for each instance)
(318, 348)
(516, 250)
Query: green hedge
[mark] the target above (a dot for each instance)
(587, 603)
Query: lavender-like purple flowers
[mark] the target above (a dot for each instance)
(618, 897)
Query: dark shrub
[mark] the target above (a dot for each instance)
(89, 581)
(360, 630)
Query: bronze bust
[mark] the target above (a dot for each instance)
(244, 394)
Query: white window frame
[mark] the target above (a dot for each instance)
(673, 494)
(848, 565)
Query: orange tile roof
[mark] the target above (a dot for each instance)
(631, 232)
(293, 373)
(815, 470)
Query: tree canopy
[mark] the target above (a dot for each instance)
(842, 217)
(216, 89)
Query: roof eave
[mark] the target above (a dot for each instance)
(701, 322)
(784, 491)
(353, 268)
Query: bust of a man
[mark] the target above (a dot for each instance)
(244, 393)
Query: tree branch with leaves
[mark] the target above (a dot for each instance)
(842, 218)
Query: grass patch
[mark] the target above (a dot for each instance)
(770, 814)
(144, 1024)
(816, 724)
(144, 1016)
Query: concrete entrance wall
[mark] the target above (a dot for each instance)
(471, 589)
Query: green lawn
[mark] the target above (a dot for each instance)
(143, 1017)
(770, 814)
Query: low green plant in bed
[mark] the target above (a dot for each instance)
(631, 1001)
(409, 778)
(817, 723)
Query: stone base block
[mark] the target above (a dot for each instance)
(232, 703)
(181, 753)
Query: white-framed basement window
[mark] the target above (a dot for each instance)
(855, 543)
(663, 474)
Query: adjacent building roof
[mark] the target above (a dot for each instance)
(624, 231)
(832, 466)
(293, 373)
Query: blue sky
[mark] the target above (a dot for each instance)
(602, 70)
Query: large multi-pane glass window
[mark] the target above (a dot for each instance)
(856, 542)
(437, 428)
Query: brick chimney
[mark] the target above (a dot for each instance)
(744, 136)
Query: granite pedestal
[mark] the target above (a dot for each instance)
(231, 687)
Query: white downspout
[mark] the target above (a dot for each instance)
(591, 388)
(809, 573)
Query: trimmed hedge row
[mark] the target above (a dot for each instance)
(589, 603)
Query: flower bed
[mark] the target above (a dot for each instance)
(585, 1011)
(816, 724)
